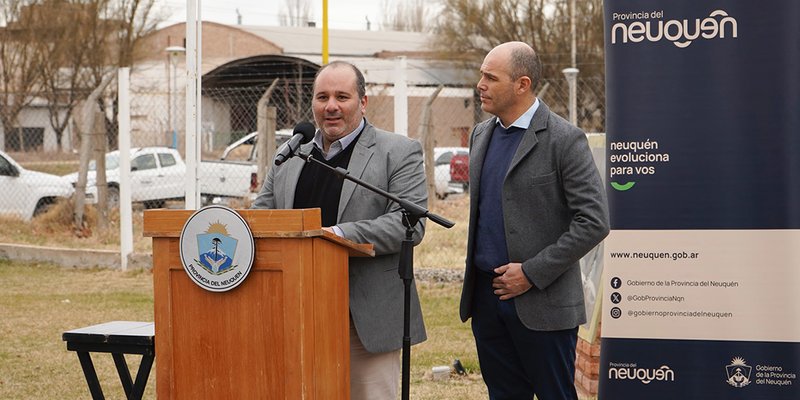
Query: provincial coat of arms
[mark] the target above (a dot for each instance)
(217, 248)
(220, 249)
(738, 373)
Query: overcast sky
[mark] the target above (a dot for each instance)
(342, 14)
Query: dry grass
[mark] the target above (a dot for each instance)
(55, 228)
(39, 302)
(44, 301)
(445, 248)
(55, 163)
(441, 248)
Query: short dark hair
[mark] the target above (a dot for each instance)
(361, 85)
(525, 62)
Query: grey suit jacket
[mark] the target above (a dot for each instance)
(554, 210)
(393, 163)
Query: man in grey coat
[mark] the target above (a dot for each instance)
(389, 161)
(537, 205)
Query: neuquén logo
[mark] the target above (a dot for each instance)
(680, 32)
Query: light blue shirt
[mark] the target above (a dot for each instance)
(339, 145)
(524, 120)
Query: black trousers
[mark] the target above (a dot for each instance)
(517, 362)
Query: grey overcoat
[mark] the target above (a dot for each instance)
(554, 210)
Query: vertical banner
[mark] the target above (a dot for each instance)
(701, 289)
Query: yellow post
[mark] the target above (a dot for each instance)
(324, 32)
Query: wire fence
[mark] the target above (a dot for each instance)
(230, 114)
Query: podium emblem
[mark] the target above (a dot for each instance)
(216, 259)
(217, 248)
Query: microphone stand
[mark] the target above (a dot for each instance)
(411, 216)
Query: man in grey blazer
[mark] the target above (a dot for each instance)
(537, 205)
(389, 161)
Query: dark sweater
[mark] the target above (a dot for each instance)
(320, 187)
(491, 250)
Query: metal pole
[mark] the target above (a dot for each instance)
(406, 270)
(400, 97)
(170, 110)
(173, 98)
(572, 30)
(193, 32)
(572, 75)
(173, 52)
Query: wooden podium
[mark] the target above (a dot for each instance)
(283, 333)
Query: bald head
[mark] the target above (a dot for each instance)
(509, 75)
(522, 61)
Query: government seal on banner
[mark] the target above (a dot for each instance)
(217, 248)
(738, 373)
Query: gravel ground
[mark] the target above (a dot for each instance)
(439, 275)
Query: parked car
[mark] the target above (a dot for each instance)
(459, 171)
(245, 148)
(442, 171)
(26, 194)
(158, 174)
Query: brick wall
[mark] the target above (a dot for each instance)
(587, 366)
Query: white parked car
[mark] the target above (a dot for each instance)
(245, 149)
(157, 174)
(441, 173)
(24, 193)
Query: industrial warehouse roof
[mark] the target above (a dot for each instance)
(239, 52)
(373, 52)
(307, 41)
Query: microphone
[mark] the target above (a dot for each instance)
(303, 133)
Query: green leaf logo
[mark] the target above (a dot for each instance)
(622, 187)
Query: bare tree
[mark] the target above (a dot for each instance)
(295, 13)
(405, 15)
(588, 36)
(468, 29)
(61, 28)
(87, 121)
(18, 69)
(60, 50)
(116, 35)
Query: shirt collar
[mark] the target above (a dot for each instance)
(340, 144)
(524, 120)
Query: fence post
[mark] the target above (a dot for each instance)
(124, 141)
(101, 183)
(428, 138)
(267, 120)
(266, 125)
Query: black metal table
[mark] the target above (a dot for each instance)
(118, 338)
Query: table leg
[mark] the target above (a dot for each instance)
(91, 375)
(141, 376)
(124, 373)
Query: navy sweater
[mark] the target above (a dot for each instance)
(491, 250)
